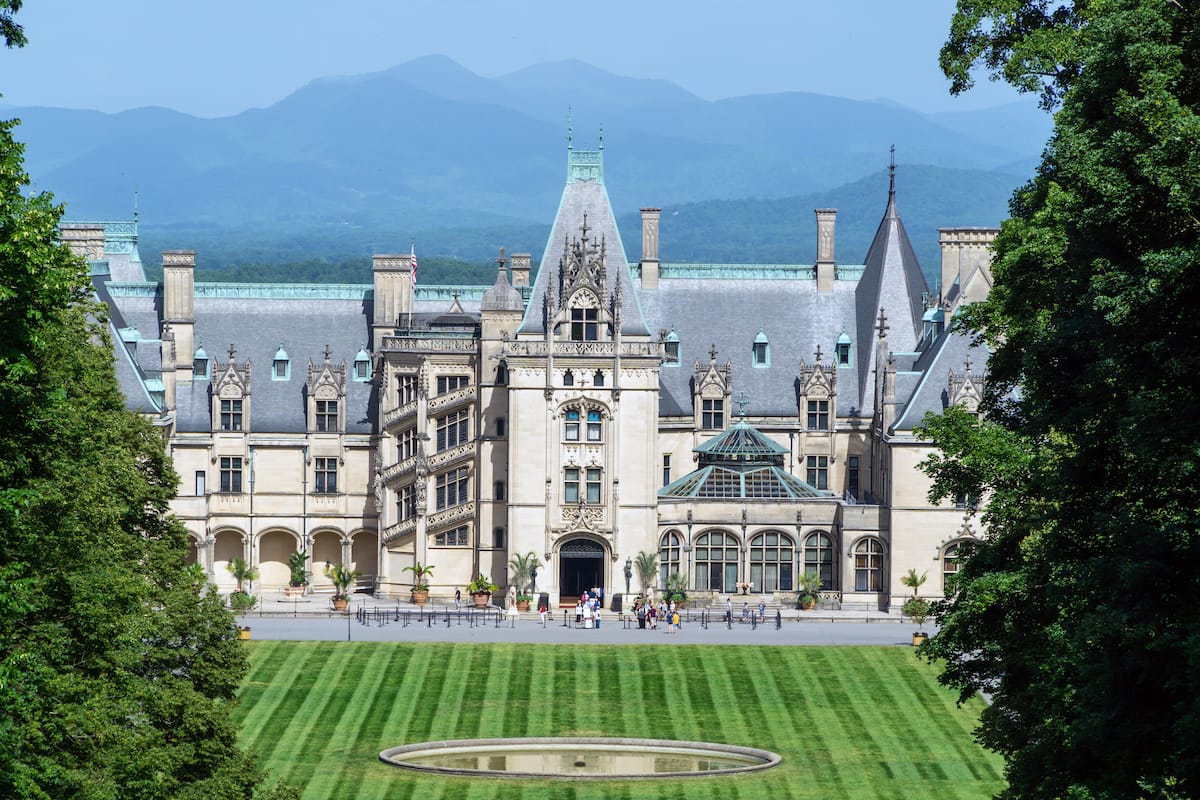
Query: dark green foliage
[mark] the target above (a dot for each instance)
(1079, 613)
(118, 665)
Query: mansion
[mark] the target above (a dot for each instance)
(747, 423)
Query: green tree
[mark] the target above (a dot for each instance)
(1078, 613)
(118, 665)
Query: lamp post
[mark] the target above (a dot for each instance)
(628, 572)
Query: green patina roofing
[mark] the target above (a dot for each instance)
(741, 444)
(741, 463)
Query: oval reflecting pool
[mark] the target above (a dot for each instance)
(579, 758)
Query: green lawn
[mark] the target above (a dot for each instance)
(850, 722)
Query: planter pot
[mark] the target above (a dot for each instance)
(293, 592)
(243, 632)
(919, 638)
(481, 599)
(522, 605)
(421, 597)
(808, 604)
(340, 603)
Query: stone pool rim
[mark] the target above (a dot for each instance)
(769, 759)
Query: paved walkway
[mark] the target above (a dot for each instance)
(312, 621)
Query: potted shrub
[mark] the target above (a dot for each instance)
(523, 567)
(810, 587)
(297, 566)
(481, 590)
(677, 588)
(918, 611)
(342, 579)
(420, 589)
(242, 572)
(646, 565)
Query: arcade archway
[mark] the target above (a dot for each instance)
(580, 568)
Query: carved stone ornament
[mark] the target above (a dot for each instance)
(585, 517)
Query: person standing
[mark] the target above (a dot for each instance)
(542, 614)
(458, 599)
(762, 611)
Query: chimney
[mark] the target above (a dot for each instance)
(965, 251)
(392, 276)
(826, 266)
(650, 218)
(520, 269)
(179, 305)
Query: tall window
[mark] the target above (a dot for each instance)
(716, 555)
(949, 568)
(818, 471)
(760, 354)
(818, 557)
(818, 415)
(406, 444)
(593, 485)
(451, 430)
(852, 477)
(712, 415)
(571, 428)
(598, 378)
(583, 325)
(406, 389)
(670, 551)
(326, 475)
(452, 488)
(498, 490)
(231, 415)
(666, 468)
(231, 474)
(454, 538)
(327, 416)
(593, 426)
(500, 426)
(406, 502)
(772, 560)
(868, 566)
(451, 383)
(498, 538)
(568, 378)
(571, 485)
(501, 374)
(200, 481)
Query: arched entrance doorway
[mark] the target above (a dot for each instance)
(580, 567)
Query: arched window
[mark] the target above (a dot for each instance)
(761, 350)
(868, 566)
(598, 378)
(818, 558)
(949, 568)
(772, 562)
(281, 365)
(716, 556)
(568, 378)
(670, 552)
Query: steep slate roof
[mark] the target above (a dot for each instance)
(501, 296)
(892, 282)
(728, 312)
(580, 195)
(950, 350)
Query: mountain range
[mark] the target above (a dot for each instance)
(430, 151)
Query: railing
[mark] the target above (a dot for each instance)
(431, 345)
(451, 516)
(398, 470)
(451, 456)
(457, 397)
(397, 415)
(538, 348)
(399, 530)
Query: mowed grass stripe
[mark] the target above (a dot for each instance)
(279, 701)
(752, 695)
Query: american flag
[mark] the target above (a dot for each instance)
(412, 255)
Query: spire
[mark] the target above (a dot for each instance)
(570, 135)
(892, 175)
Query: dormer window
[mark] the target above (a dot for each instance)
(200, 364)
(761, 350)
(584, 325)
(281, 365)
(568, 378)
(671, 348)
(842, 351)
(362, 365)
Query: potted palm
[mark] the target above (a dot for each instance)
(810, 586)
(523, 568)
(420, 589)
(481, 590)
(342, 579)
(646, 565)
(241, 601)
(297, 582)
(915, 608)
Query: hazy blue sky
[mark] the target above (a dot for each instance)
(218, 57)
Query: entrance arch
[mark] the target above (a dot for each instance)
(580, 567)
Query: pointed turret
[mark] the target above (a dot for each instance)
(891, 280)
(584, 203)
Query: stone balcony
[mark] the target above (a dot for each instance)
(398, 470)
(451, 400)
(448, 458)
(450, 516)
(398, 531)
(399, 414)
(539, 348)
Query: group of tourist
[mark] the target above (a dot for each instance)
(588, 609)
(648, 614)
